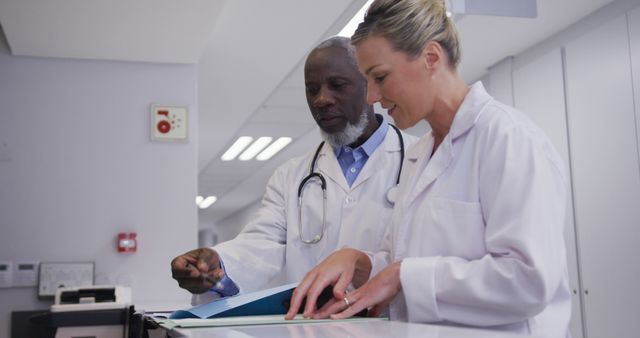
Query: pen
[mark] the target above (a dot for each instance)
(205, 277)
(217, 285)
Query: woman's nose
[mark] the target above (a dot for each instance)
(373, 94)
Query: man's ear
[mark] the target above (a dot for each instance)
(432, 54)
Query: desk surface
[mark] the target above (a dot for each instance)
(342, 329)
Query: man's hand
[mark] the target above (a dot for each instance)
(197, 270)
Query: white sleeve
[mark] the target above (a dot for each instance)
(522, 197)
(380, 260)
(257, 254)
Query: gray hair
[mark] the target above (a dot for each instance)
(349, 135)
(409, 25)
(340, 42)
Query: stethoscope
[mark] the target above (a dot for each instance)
(391, 193)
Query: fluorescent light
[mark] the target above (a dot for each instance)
(273, 149)
(199, 200)
(236, 148)
(352, 25)
(255, 148)
(207, 202)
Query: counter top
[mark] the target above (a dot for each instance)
(369, 329)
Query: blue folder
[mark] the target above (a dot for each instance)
(272, 301)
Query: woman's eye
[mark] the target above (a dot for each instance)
(379, 79)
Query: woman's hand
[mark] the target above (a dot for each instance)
(339, 269)
(375, 294)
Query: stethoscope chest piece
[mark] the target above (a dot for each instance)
(392, 194)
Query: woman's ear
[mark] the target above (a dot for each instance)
(432, 54)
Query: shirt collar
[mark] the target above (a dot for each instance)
(470, 109)
(370, 145)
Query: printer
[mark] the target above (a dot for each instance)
(91, 298)
(92, 311)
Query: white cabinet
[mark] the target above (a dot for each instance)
(606, 177)
(538, 91)
(584, 92)
(500, 80)
(634, 40)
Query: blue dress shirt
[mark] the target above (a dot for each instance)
(353, 160)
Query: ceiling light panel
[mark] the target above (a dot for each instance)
(236, 148)
(255, 148)
(274, 148)
(352, 25)
(207, 202)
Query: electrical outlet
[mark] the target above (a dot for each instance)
(25, 273)
(5, 153)
(6, 274)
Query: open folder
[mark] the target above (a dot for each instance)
(274, 301)
(257, 308)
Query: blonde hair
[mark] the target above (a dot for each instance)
(409, 25)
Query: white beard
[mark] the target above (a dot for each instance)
(350, 134)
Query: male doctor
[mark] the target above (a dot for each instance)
(359, 161)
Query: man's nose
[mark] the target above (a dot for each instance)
(324, 97)
(373, 94)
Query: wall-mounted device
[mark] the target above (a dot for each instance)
(25, 273)
(169, 123)
(6, 274)
(127, 242)
(66, 274)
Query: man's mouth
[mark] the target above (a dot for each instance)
(329, 118)
(330, 121)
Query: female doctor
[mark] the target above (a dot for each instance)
(477, 231)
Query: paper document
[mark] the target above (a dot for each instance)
(274, 301)
(249, 320)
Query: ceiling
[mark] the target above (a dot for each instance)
(249, 55)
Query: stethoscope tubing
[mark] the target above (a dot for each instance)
(323, 186)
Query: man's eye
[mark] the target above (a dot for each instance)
(379, 79)
(337, 85)
(311, 89)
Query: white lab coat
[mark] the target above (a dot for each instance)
(269, 251)
(479, 226)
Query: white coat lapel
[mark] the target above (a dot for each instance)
(433, 168)
(378, 161)
(330, 168)
(466, 117)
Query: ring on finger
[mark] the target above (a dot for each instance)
(346, 301)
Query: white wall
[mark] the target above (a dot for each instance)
(79, 167)
(229, 227)
(579, 87)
